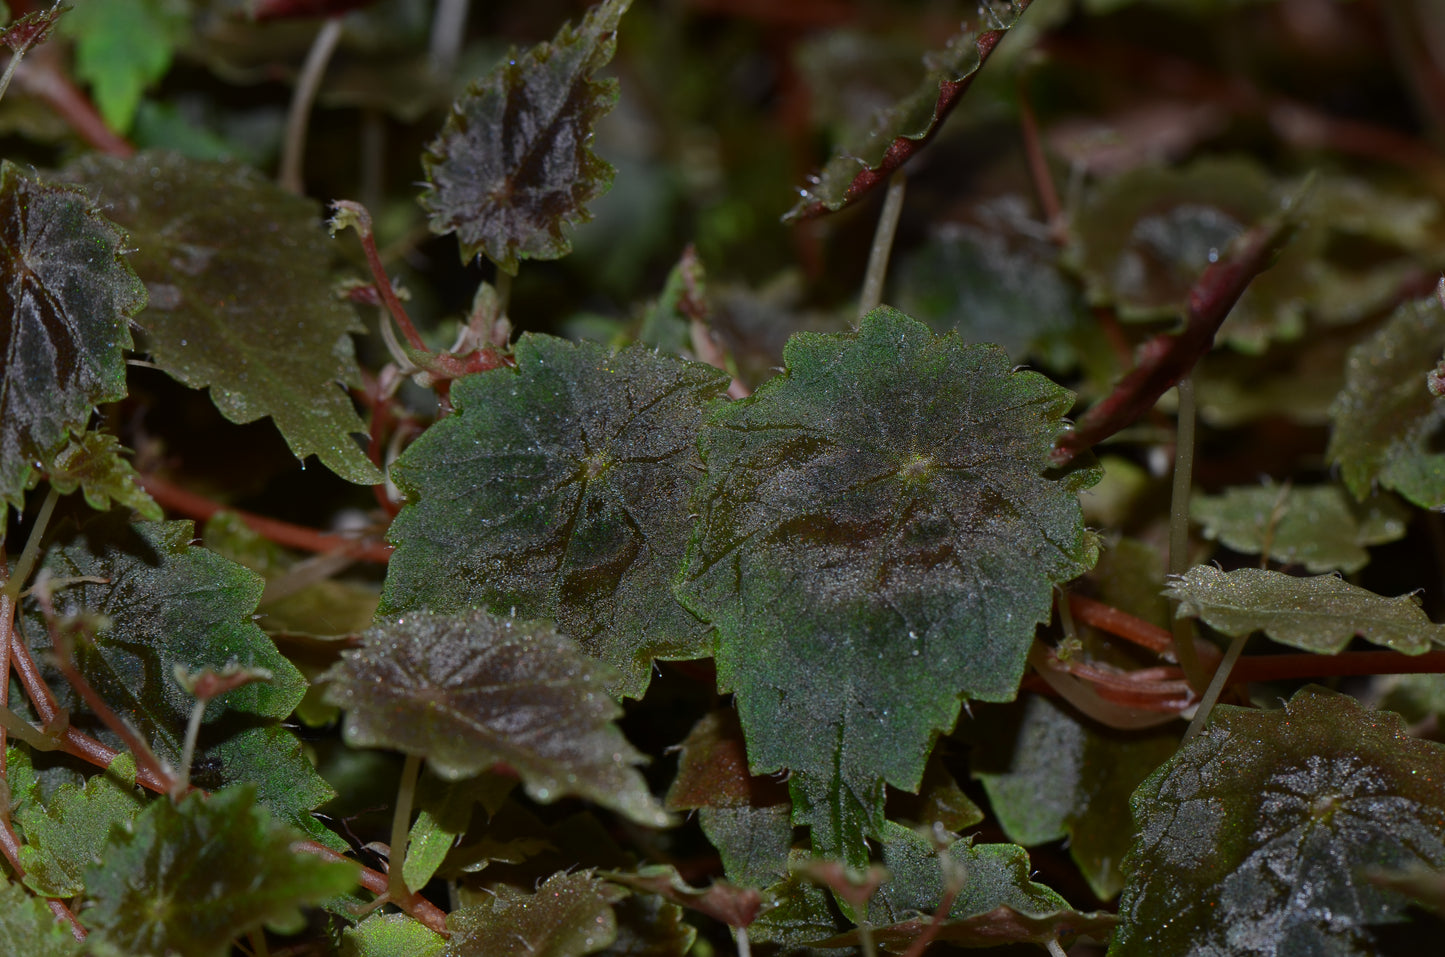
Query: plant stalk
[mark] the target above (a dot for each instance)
(396, 887)
(28, 556)
(1179, 528)
(882, 245)
(299, 115)
(1216, 686)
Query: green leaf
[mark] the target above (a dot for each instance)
(1056, 776)
(1386, 421)
(122, 47)
(992, 282)
(28, 927)
(391, 935)
(901, 130)
(734, 906)
(561, 490)
(271, 759)
(240, 296)
(468, 691)
(68, 833)
(188, 877)
(1318, 614)
(1253, 838)
(91, 462)
(167, 603)
(877, 541)
(66, 297)
(445, 814)
(513, 164)
(1318, 527)
(569, 915)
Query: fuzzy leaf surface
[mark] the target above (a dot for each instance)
(1253, 837)
(189, 877)
(513, 165)
(570, 915)
(898, 132)
(467, 691)
(67, 834)
(1319, 614)
(562, 489)
(28, 927)
(1386, 422)
(648, 926)
(1318, 527)
(92, 463)
(270, 758)
(391, 935)
(168, 603)
(238, 272)
(877, 541)
(66, 297)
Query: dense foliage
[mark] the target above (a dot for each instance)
(1021, 532)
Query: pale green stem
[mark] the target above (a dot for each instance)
(1054, 949)
(1179, 528)
(740, 935)
(882, 245)
(448, 29)
(865, 938)
(1216, 685)
(9, 73)
(299, 116)
(31, 552)
(188, 749)
(18, 727)
(400, 829)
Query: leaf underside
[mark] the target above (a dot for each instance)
(1319, 614)
(66, 297)
(570, 915)
(877, 541)
(467, 691)
(238, 272)
(1254, 837)
(513, 164)
(561, 490)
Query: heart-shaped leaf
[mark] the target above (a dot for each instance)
(879, 535)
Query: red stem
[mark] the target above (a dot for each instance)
(1120, 624)
(417, 906)
(902, 149)
(198, 507)
(378, 273)
(1166, 359)
(1039, 169)
(40, 75)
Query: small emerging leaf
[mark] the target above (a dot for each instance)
(560, 489)
(1317, 527)
(1255, 837)
(188, 878)
(1317, 614)
(66, 298)
(570, 915)
(122, 47)
(469, 691)
(513, 164)
(391, 935)
(240, 296)
(91, 462)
